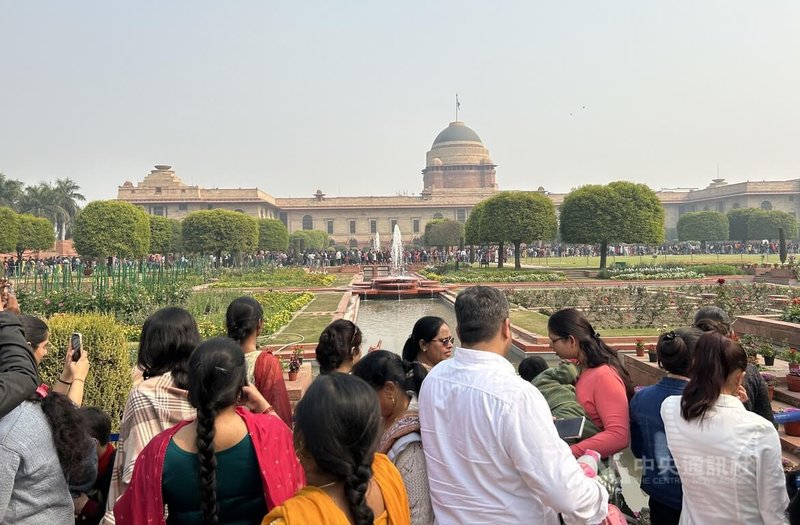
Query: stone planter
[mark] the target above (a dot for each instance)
(793, 383)
(792, 429)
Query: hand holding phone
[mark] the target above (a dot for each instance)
(570, 428)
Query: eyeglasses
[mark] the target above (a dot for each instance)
(557, 339)
(447, 341)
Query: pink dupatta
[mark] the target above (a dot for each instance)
(281, 473)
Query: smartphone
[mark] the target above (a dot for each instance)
(76, 339)
(570, 428)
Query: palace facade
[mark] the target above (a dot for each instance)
(458, 174)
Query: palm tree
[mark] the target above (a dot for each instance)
(10, 191)
(67, 197)
(41, 200)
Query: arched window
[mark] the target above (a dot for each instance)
(437, 215)
(308, 222)
(766, 205)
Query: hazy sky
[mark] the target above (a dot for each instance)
(348, 96)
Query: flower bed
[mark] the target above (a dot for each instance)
(473, 275)
(640, 306)
(642, 273)
(277, 277)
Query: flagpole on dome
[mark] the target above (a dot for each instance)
(458, 106)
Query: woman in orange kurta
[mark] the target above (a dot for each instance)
(244, 320)
(337, 426)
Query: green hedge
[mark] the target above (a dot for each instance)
(109, 380)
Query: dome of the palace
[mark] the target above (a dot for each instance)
(456, 132)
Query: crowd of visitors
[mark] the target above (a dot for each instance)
(438, 434)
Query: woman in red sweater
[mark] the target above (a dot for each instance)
(604, 386)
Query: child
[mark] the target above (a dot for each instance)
(557, 387)
(90, 507)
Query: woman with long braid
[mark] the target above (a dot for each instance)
(336, 432)
(244, 320)
(228, 466)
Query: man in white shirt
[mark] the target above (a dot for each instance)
(492, 451)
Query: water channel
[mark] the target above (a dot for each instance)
(392, 320)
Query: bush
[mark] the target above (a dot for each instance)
(272, 277)
(447, 274)
(715, 269)
(109, 380)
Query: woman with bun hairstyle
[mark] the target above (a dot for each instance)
(244, 320)
(728, 459)
(229, 465)
(397, 383)
(430, 342)
(648, 439)
(339, 347)
(603, 387)
(336, 432)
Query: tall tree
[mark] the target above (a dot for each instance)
(272, 235)
(519, 217)
(35, 233)
(105, 228)
(66, 196)
(217, 231)
(444, 233)
(764, 224)
(41, 200)
(162, 234)
(703, 226)
(618, 212)
(9, 232)
(472, 229)
(737, 221)
(10, 191)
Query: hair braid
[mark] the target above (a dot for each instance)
(208, 465)
(355, 489)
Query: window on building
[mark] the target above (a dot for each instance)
(284, 218)
(158, 189)
(721, 207)
(158, 210)
(415, 225)
(392, 224)
(766, 205)
(210, 206)
(736, 205)
(352, 227)
(353, 243)
(461, 215)
(329, 226)
(183, 207)
(438, 215)
(308, 222)
(791, 198)
(239, 210)
(373, 226)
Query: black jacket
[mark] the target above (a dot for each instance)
(757, 393)
(18, 375)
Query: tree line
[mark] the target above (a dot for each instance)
(57, 202)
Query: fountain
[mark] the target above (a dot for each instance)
(390, 281)
(397, 251)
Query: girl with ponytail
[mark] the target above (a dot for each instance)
(336, 432)
(728, 459)
(397, 383)
(244, 320)
(229, 465)
(603, 387)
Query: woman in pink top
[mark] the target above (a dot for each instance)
(604, 386)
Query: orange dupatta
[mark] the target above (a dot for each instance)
(312, 505)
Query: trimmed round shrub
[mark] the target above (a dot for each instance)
(109, 380)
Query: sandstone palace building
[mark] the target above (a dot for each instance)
(458, 174)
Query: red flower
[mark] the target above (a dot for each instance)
(721, 281)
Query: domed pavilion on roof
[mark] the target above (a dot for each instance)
(458, 160)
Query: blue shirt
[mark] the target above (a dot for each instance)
(649, 442)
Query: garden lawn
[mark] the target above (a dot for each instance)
(324, 302)
(265, 277)
(303, 329)
(555, 263)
